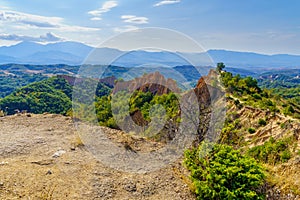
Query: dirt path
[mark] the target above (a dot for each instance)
(41, 157)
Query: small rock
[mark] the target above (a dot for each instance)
(58, 153)
(49, 172)
(130, 187)
(296, 160)
(1, 184)
(43, 162)
(3, 163)
(73, 148)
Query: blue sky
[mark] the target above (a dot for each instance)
(260, 26)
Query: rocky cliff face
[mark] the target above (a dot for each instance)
(202, 92)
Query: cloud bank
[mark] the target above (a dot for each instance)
(27, 21)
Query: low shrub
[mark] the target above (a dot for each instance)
(251, 130)
(273, 152)
(220, 172)
(262, 122)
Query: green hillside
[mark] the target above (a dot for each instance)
(52, 95)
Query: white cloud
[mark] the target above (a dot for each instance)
(166, 2)
(77, 28)
(125, 29)
(106, 7)
(27, 21)
(32, 20)
(49, 37)
(134, 19)
(96, 18)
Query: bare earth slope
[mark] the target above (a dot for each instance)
(41, 157)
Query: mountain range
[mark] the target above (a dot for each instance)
(74, 53)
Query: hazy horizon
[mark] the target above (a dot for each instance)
(206, 50)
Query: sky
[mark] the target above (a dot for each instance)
(262, 26)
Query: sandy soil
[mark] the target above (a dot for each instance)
(42, 157)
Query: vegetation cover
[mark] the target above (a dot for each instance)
(274, 152)
(9, 83)
(220, 172)
(248, 91)
(52, 95)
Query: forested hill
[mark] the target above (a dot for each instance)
(53, 95)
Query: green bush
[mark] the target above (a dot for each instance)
(256, 96)
(220, 67)
(240, 86)
(251, 130)
(289, 110)
(223, 173)
(262, 122)
(285, 155)
(283, 125)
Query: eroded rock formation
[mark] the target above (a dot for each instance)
(155, 83)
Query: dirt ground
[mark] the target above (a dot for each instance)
(42, 157)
